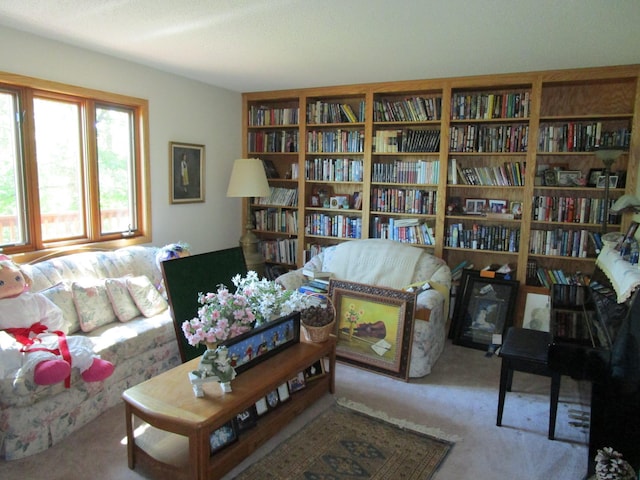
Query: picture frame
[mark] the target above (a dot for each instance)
(223, 436)
(297, 383)
(247, 419)
(498, 206)
(261, 343)
(186, 172)
(602, 179)
(550, 178)
(485, 310)
(594, 174)
(283, 392)
(475, 206)
(374, 326)
(568, 178)
(270, 169)
(537, 312)
(516, 209)
(628, 236)
(261, 406)
(339, 201)
(314, 371)
(273, 399)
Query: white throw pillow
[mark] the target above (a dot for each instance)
(121, 301)
(93, 304)
(61, 295)
(146, 296)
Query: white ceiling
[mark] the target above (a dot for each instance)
(254, 45)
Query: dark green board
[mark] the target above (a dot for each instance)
(185, 277)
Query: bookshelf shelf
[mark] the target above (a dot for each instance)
(562, 111)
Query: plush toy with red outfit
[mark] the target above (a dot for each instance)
(32, 341)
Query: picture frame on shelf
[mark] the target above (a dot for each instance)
(315, 371)
(568, 178)
(550, 178)
(516, 209)
(594, 175)
(602, 181)
(270, 169)
(263, 342)
(186, 172)
(247, 419)
(498, 206)
(283, 392)
(297, 383)
(374, 326)
(273, 399)
(485, 309)
(475, 206)
(223, 436)
(261, 406)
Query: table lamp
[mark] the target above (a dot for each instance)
(607, 155)
(248, 180)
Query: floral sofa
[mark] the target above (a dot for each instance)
(112, 298)
(395, 265)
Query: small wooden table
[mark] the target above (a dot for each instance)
(173, 441)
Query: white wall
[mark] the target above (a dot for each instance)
(180, 110)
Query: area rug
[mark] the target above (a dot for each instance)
(342, 443)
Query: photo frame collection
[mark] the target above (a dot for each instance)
(374, 326)
(485, 309)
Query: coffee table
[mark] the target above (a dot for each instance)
(168, 428)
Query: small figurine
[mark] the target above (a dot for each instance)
(215, 365)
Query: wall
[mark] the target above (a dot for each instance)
(179, 110)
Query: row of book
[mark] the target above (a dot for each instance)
(488, 138)
(273, 142)
(334, 169)
(509, 174)
(580, 137)
(560, 242)
(422, 172)
(570, 294)
(409, 230)
(276, 220)
(286, 197)
(336, 141)
(486, 106)
(406, 140)
(283, 250)
(548, 277)
(264, 116)
(339, 226)
(483, 237)
(334, 112)
(411, 109)
(403, 200)
(571, 209)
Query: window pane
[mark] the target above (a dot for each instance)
(59, 161)
(12, 213)
(116, 173)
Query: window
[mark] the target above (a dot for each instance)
(75, 167)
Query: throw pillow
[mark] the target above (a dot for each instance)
(146, 296)
(121, 301)
(61, 295)
(93, 304)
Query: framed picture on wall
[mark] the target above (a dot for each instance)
(186, 173)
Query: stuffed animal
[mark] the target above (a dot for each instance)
(32, 341)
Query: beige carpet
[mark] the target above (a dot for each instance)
(345, 444)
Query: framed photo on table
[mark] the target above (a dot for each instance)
(186, 173)
(485, 309)
(374, 326)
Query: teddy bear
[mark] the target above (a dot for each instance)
(32, 341)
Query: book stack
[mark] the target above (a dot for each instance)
(317, 283)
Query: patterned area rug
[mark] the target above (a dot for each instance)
(344, 444)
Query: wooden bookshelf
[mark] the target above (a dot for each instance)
(506, 128)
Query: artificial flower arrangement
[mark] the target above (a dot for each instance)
(224, 315)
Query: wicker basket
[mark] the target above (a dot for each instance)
(320, 334)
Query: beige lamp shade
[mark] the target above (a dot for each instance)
(248, 179)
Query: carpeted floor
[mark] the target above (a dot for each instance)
(344, 444)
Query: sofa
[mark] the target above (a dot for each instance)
(391, 264)
(112, 298)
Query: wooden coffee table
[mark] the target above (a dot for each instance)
(168, 428)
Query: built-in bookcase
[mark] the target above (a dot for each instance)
(464, 167)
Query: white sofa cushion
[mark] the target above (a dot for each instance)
(93, 304)
(121, 301)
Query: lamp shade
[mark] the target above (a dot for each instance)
(248, 179)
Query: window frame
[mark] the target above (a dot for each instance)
(27, 88)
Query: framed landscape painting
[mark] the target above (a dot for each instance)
(374, 326)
